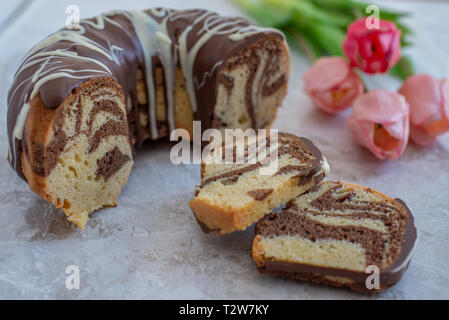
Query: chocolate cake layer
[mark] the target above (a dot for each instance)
(110, 163)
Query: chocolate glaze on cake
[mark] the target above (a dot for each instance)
(116, 45)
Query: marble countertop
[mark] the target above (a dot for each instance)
(150, 246)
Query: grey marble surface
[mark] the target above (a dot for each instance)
(150, 246)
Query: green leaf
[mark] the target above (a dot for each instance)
(270, 17)
(329, 38)
(403, 69)
(307, 44)
(307, 12)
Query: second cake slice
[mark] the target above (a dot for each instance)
(233, 196)
(338, 234)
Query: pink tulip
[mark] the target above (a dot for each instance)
(429, 107)
(373, 50)
(332, 84)
(380, 122)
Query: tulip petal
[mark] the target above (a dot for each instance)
(380, 122)
(445, 96)
(380, 106)
(421, 137)
(424, 97)
(373, 50)
(326, 73)
(429, 107)
(332, 85)
(363, 133)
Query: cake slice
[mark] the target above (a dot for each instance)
(331, 235)
(232, 196)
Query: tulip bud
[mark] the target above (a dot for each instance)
(429, 107)
(331, 84)
(380, 122)
(373, 50)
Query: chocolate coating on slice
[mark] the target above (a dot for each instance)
(304, 150)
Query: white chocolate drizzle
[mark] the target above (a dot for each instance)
(155, 41)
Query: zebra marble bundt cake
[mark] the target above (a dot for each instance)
(83, 100)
